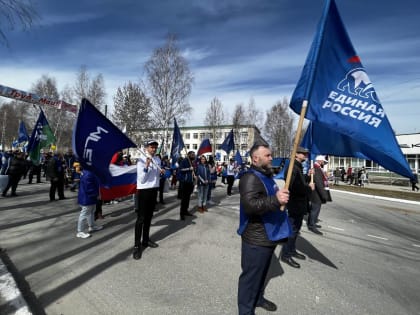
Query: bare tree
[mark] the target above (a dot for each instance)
(238, 119)
(215, 117)
(168, 82)
(92, 89)
(11, 113)
(279, 128)
(131, 110)
(15, 12)
(254, 116)
(60, 121)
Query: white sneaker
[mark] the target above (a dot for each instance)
(95, 228)
(82, 235)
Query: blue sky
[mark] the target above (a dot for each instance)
(237, 49)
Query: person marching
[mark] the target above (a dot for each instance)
(297, 207)
(203, 183)
(148, 175)
(263, 225)
(186, 178)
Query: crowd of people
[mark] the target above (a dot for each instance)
(269, 215)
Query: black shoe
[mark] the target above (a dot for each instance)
(290, 261)
(318, 226)
(315, 230)
(182, 217)
(137, 253)
(3, 194)
(14, 195)
(62, 198)
(267, 305)
(150, 244)
(188, 214)
(298, 256)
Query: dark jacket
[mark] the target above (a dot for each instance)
(186, 174)
(255, 202)
(300, 192)
(320, 194)
(88, 189)
(16, 167)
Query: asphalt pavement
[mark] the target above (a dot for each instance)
(44, 268)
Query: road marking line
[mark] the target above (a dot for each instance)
(416, 245)
(335, 228)
(381, 238)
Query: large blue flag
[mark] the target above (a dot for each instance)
(96, 139)
(177, 143)
(342, 98)
(229, 143)
(22, 133)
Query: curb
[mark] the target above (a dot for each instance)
(378, 197)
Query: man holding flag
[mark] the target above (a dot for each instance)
(148, 175)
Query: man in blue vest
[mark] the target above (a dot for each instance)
(263, 225)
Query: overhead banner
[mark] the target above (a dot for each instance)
(35, 99)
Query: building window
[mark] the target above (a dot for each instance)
(202, 135)
(195, 146)
(195, 135)
(187, 135)
(187, 146)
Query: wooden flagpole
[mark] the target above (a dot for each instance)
(295, 145)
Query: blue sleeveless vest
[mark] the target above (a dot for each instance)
(276, 224)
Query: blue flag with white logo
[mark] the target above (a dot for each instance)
(238, 158)
(177, 143)
(96, 139)
(342, 99)
(229, 143)
(22, 133)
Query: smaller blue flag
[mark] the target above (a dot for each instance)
(22, 133)
(238, 158)
(229, 143)
(177, 143)
(15, 143)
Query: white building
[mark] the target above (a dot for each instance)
(245, 136)
(409, 144)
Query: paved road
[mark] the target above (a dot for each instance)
(367, 261)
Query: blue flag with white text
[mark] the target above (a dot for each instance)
(177, 143)
(96, 139)
(229, 143)
(342, 99)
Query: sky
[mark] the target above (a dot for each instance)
(236, 49)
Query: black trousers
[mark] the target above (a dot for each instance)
(255, 262)
(146, 202)
(58, 186)
(13, 182)
(186, 191)
(230, 180)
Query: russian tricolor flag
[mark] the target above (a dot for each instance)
(123, 182)
(205, 147)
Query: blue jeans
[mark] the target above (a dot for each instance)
(255, 261)
(87, 213)
(314, 214)
(202, 195)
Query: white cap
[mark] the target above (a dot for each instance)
(321, 158)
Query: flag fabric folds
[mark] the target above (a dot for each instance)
(177, 143)
(238, 158)
(22, 133)
(342, 99)
(95, 141)
(205, 147)
(41, 137)
(229, 143)
(123, 182)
